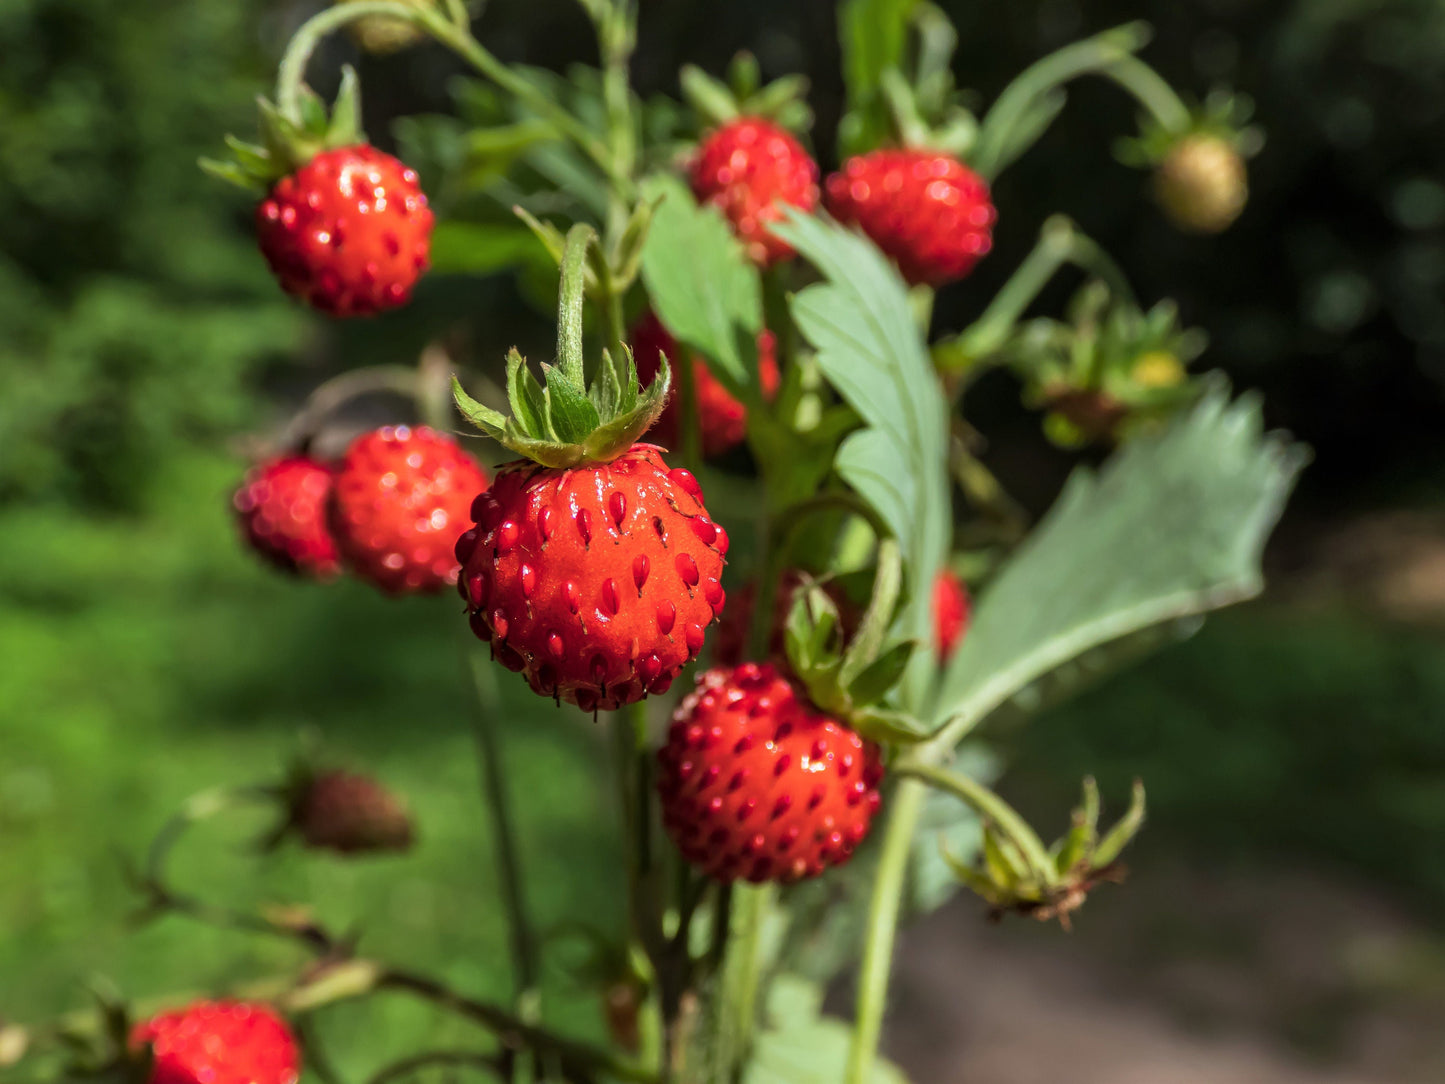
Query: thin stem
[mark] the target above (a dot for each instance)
(511, 1031)
(570, 297)
(989, 806)
(332, 394)
(317, 1059)
(509, 867)
(996, 138)
(460, 16)
(615, 24)
(883, 909)
(742, 974)
(1151, 91)
(455, 35)
(1059, 243)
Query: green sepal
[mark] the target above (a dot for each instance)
(289, 142)
(557, 425)
(782, 101)
(884, 672)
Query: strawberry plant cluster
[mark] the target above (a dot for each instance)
(740, 518)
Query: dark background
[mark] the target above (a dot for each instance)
(1293, 750)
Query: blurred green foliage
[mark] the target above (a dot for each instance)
(133, 307)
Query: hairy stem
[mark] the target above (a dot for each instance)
(570, 299)
(883, 908)
(525, 963)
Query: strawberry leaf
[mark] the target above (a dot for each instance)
(870, 350)
(702, 285)
(1172, 526)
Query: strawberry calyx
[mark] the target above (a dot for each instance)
(289, 141)
(852, 681)
(744, 94)
(562, 421)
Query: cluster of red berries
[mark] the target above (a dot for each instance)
(390, 510)
(924, 208)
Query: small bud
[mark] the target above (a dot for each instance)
(1157, 369)
(1201, 184)
(382, 34)
(349, 814)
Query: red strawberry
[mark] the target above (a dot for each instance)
(925, 209)
(950, 612)
(220, 1042)
(350, 814)
(756, 784)
(282, 509)
(722, 420)
(400, 502)
(596, 581)
(746, 168)
(349, 232)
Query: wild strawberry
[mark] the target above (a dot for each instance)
(349, 232)
(595, 581)
(925, 209)
(281, 506)
(1201, 184)
(401, 500)
(722, 420)
(349, 814)
(950, 612)
(220, 1042)
(746, 168)
(756, 784)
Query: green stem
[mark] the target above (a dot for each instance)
(990, 807)
(1151, 91)
(455, 35)
(741, 976)
(868, 640)
(570, 297)
(527, 970)
(996, 147)
(1059, 243)
(616, 37)
(883, 908)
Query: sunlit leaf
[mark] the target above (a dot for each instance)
(1174, 525)
(871, 351)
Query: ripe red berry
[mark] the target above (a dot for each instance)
(746, 169)
(722, 420)
(756, 784)
(400, 502)
(598, 581)
(350, 814)
(220, 1042)
(281, 506)
(925, 209)
(349, 232)
(950, 612)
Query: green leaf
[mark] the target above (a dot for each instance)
(884, 725)
(801, 1046)
(702, 285)
(474, 248)
(1173, 525)
(870, 350)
